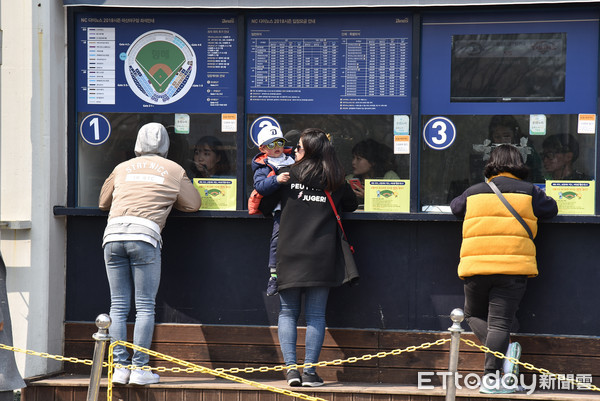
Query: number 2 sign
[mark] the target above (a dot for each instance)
(95, 129)
(439, 133)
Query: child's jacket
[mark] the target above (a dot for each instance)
(265, 184)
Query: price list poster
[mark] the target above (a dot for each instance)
(156, 62)
(320, 63)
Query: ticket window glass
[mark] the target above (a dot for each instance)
(490, 79)
(370, 137)
(558, 152)
(198, 145)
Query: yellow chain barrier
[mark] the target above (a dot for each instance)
(337, 361)
(225, 373)
(190, 367)
(47, 355)
(577, 383)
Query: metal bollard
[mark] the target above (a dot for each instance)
(457, 316)
(103, 322)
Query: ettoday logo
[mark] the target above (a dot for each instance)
(496, 381)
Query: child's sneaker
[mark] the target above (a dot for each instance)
(293, 378)
(272, 286)
(509, 367)
(143, 377)
(311, 380)
(121, 376)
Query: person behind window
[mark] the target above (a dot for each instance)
(308, 247)
(497, 255)
(210, 159)
(265, 165)
(139, 194)
(506, 129)
(371, 159)
(559, 153)
(10, 378)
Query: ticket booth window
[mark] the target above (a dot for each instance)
(370, 137)
(520, 77)
(197, 144)
(555, 152)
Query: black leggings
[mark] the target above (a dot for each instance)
(491, 303)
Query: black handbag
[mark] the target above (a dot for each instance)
(351, 275)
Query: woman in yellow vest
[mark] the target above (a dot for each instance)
(498, 254)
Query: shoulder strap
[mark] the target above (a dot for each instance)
(337, 216)
(510, 208)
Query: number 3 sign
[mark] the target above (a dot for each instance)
(95, 129)
(439, 133)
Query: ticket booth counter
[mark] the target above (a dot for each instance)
(427, 94)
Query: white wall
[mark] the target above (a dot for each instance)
(33, 175)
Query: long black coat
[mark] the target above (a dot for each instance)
(308, 238)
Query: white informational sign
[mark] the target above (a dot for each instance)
(401, 144)
(401, 135)
(586, 124)
(537, 124)
(182, 123)
(229, 122)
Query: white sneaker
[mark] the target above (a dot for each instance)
(143, 377)
(121, 376)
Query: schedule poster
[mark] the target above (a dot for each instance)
(328, 63)
(156, 62)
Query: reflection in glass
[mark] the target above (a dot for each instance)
(516, 67)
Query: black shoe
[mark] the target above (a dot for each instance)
(311, 380)
(293, 378)
(272, 286)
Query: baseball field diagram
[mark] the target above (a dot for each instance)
(160, 67)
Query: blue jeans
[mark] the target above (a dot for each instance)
(132, 267)
(315, 304)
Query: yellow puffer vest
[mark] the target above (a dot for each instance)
(494, 242)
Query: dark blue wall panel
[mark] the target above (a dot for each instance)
(214, 272)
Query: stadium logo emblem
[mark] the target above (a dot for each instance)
(160, 67)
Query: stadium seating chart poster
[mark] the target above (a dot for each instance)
(342, 63)
(146, 62)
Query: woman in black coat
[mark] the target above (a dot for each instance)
(308, 247)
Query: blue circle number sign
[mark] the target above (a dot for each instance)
(439, 133)
(95, 129)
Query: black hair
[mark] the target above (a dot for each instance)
(506, 158)
(507, 121)
(319, 162)
(562, 143)
(379, 155)
(222, 167)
